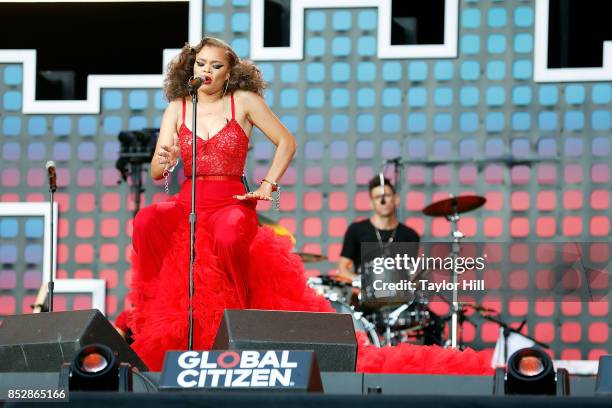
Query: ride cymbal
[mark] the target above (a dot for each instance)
(454, 205)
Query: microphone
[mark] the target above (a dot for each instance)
(52, 178)
(381, 177)
(194, 83)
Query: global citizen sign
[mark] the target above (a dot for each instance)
(240, 369)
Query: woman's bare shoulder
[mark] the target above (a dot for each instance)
(174, 108)
(175, 104)
(247, 97)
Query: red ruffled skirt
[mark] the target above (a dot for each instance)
(237, 265)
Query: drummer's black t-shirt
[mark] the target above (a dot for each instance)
(363, 231)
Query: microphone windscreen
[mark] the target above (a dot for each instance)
(50, 164)
(195, 82)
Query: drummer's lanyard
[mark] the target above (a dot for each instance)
(383, 247)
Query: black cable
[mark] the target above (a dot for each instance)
(145, 379)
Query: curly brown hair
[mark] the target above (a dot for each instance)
(244, 74)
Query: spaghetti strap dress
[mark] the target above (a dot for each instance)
(238, 264)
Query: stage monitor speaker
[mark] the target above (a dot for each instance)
(330, 335)
(44, 341)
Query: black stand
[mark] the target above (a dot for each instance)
(192, 215)
(137, 150)
(398, 169)
(137, 185)
(461, 317)
(51, 283)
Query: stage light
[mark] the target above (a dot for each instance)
(531, 371)
(137, 148)
(530, 366)
(96, 368)
(93, 363)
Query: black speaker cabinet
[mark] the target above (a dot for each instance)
(330, 335)
(43, 341)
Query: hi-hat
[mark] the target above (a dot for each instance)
(454, 205)
(308, 257)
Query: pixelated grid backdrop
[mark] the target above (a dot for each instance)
(475, 124)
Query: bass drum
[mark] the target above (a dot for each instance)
(361, 324)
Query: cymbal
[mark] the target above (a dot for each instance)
(454, 205)
(308, 257)
(275, 226)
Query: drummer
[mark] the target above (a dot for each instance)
(381, 227)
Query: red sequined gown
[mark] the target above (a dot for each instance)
(238, 264)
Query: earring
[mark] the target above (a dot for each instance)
(225, 90)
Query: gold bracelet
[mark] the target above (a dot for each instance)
(275, 189)
(274, 185)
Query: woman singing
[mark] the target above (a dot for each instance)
(237, 263)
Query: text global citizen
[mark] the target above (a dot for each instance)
(235, 369)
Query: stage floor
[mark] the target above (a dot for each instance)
(280, 400)
(351, 390)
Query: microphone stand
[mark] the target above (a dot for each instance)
(192, 215)
(51, 283)
(398, 168)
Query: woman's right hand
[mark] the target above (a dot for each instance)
(168, 156)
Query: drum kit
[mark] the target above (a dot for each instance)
(391, 322)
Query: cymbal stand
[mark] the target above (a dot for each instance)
(455, 251)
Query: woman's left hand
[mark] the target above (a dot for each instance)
(264, 192)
